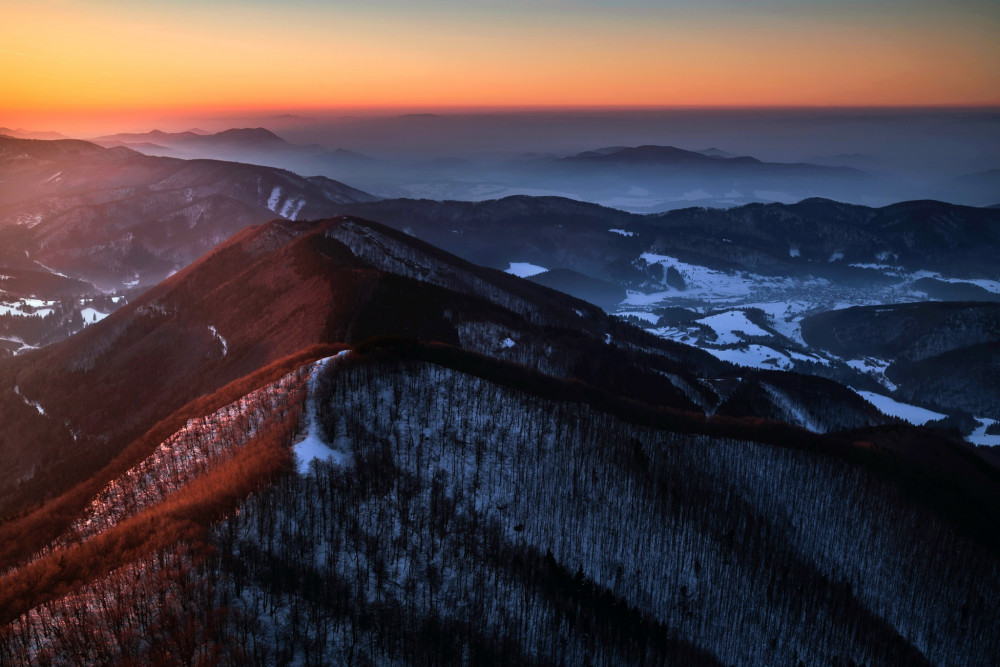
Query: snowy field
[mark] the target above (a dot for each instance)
(524, 269)
(911, 413)
(980, 437)
(26, 307)
(720, 322)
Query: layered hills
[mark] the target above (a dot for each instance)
(274, 290)
(115, 217)
(944, 354)
(815, 236)
(475, 458)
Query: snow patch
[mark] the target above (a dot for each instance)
(217, 335)
(92, 315)
(27, 307)
(703, 282)
(623, 232)
(753, 356)
(794, 413)
(911, 413)
(51, 270)
(291, 208)
(732, 327)
(34, 404)
(507, 343)
(874, 367)
(312, 446)
(274, 199)
(980, 437)
(524, 269)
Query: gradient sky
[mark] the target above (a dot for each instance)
(62, 57)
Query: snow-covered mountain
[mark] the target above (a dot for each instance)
(739, 282)
(330, 442)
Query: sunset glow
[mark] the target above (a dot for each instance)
(62, 58)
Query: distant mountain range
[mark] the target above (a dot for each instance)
(242, 138)
(115, 217)
(118, 220)
(981, 188)
(643, 179)
(251, 145)
(670, 156)
(815, 236)
(21, 133)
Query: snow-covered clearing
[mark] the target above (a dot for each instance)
(524, 269)
(911, 413)
(785, 316)
(27, 307)
(754, 356)
(289, 208)
(703, 282)
(732, 327)
(312, 445)
(794, 413)
(874, 367)
(634, 298)
(91, 315)
(980, 437)
(272, 201)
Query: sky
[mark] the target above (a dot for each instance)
(76, 59)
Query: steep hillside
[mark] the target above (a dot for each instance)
(964, 379)
(273, 291)
(494, 459)
(941, 355)
(905, 332)
(465, 505)
(744, 278)
(277, 289)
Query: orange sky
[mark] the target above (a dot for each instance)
(63, 60)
